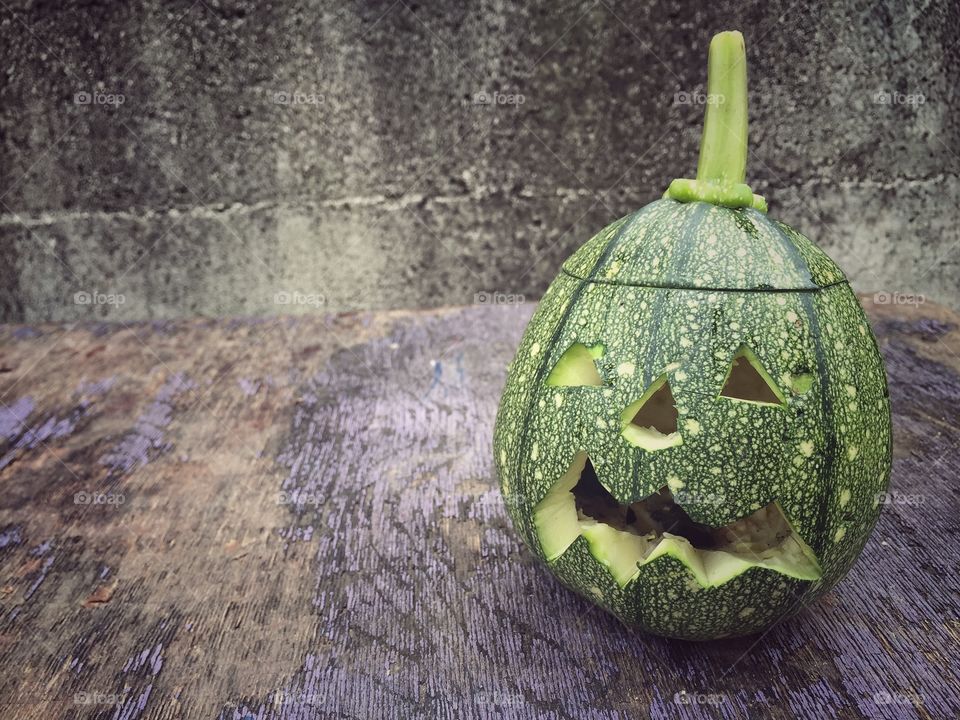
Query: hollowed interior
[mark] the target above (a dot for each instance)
(625, 537)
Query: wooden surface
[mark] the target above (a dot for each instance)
(298, 518)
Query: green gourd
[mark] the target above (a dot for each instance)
(695, 430)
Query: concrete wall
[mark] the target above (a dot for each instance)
(213, 190)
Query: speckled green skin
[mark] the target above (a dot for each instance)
(653, 288)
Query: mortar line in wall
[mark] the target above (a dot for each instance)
(405, 201)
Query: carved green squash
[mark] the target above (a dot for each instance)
(695, 431)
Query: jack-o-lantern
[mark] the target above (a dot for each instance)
(695, 431)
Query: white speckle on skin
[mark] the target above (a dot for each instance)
(692, 426)
(851, 390)
(674, 483)
(680, 375)
(844, 497)
(781, 300)
(852, 452)
(792, 316)
(839, 534)
(746, 612)
(806, 448)
(558, 399)
(534, 451)
(626, 369)
(601, 423)
(671, 367)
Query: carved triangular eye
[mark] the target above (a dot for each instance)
(748, 381)
(650, 422)
(576, 367)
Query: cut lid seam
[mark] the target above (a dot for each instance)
(604, 281)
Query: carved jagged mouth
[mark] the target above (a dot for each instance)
(624, 538)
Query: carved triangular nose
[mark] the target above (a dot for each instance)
(748, 381)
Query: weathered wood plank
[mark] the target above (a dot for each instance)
(297, 517)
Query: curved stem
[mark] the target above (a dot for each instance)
(723, 149)
(722, 168)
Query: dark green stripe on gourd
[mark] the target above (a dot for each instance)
(720, 257)
(676, 291)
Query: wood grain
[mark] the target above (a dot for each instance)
(297, 518)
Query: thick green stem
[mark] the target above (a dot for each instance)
(721, 170)
(723, 149)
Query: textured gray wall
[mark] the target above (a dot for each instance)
(385, 185)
